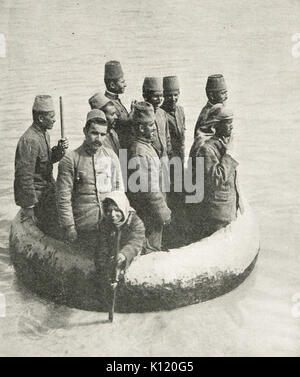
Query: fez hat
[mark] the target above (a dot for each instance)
(152, 84)
(170, 84)
(43, 103)
(96, 114)
(143, 112)
(215, 83)
(98, 101)
(218, 113)
(113, 70)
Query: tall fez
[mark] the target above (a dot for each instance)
(113, 70)
(215, 83)
(143, 112)
(98, 101)
(43, 103)
(170, 84)
(152, 84)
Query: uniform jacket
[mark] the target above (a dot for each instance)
(148, 204)
(162, 141)
(128, 237)
(33, 166)
(112, 141)
(176, 123)
(203, 117)
(83, 180)
(221, 197)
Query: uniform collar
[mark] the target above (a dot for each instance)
(38, 128)
(111, 95)
(143, 140)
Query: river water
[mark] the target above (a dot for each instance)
(60, 48)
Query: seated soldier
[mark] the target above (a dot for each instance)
(221, 197)
(122, 233)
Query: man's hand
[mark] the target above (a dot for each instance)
(133, 103)
(63, 144)
(71, 234)
(28, 213)
(121, 261)
(168, 221)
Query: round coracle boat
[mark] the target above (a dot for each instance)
(158, 281)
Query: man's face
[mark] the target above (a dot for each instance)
(219, 96)
(119, 86)
(155, 98)
(111, 114)
(95, 135)
(47, 120)
(171, 99)
(113, 213)
(149, 131)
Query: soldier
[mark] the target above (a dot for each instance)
(153, 93)
(85, 176)
(221, 196)
(175, 115)
(149, 201)
(216, 92)
(101, 102)
(34, 185)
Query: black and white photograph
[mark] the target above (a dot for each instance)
(149, 177)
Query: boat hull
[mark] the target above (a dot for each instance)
(159, 281)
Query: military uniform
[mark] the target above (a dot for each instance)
(176, 125)
(83, 180)
(34, 184)
(162, 141)
(150, 202)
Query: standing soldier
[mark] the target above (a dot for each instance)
(153, 93)
(149, 201)
(34, 185)
(175, 115)
(85, 176)
(216, 92)
(221, 195)
(101, 102)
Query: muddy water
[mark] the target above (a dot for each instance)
(61, 49)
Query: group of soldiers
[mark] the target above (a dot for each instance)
(88, 200)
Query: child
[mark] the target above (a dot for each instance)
(122, 232)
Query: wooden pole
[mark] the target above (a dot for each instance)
(62, 126)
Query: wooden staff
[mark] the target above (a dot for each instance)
(62, 126)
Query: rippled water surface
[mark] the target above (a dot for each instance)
(60, 48)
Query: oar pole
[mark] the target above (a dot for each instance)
(62, 126)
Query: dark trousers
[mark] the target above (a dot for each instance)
(153, 232)
(46, 213)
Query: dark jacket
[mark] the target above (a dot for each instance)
(176, 123)
(203, 117)
(221, 195)
(82, 182)
(162, 141)
(149, 204)
(112, 141)
(129, 239)
(33, 166)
